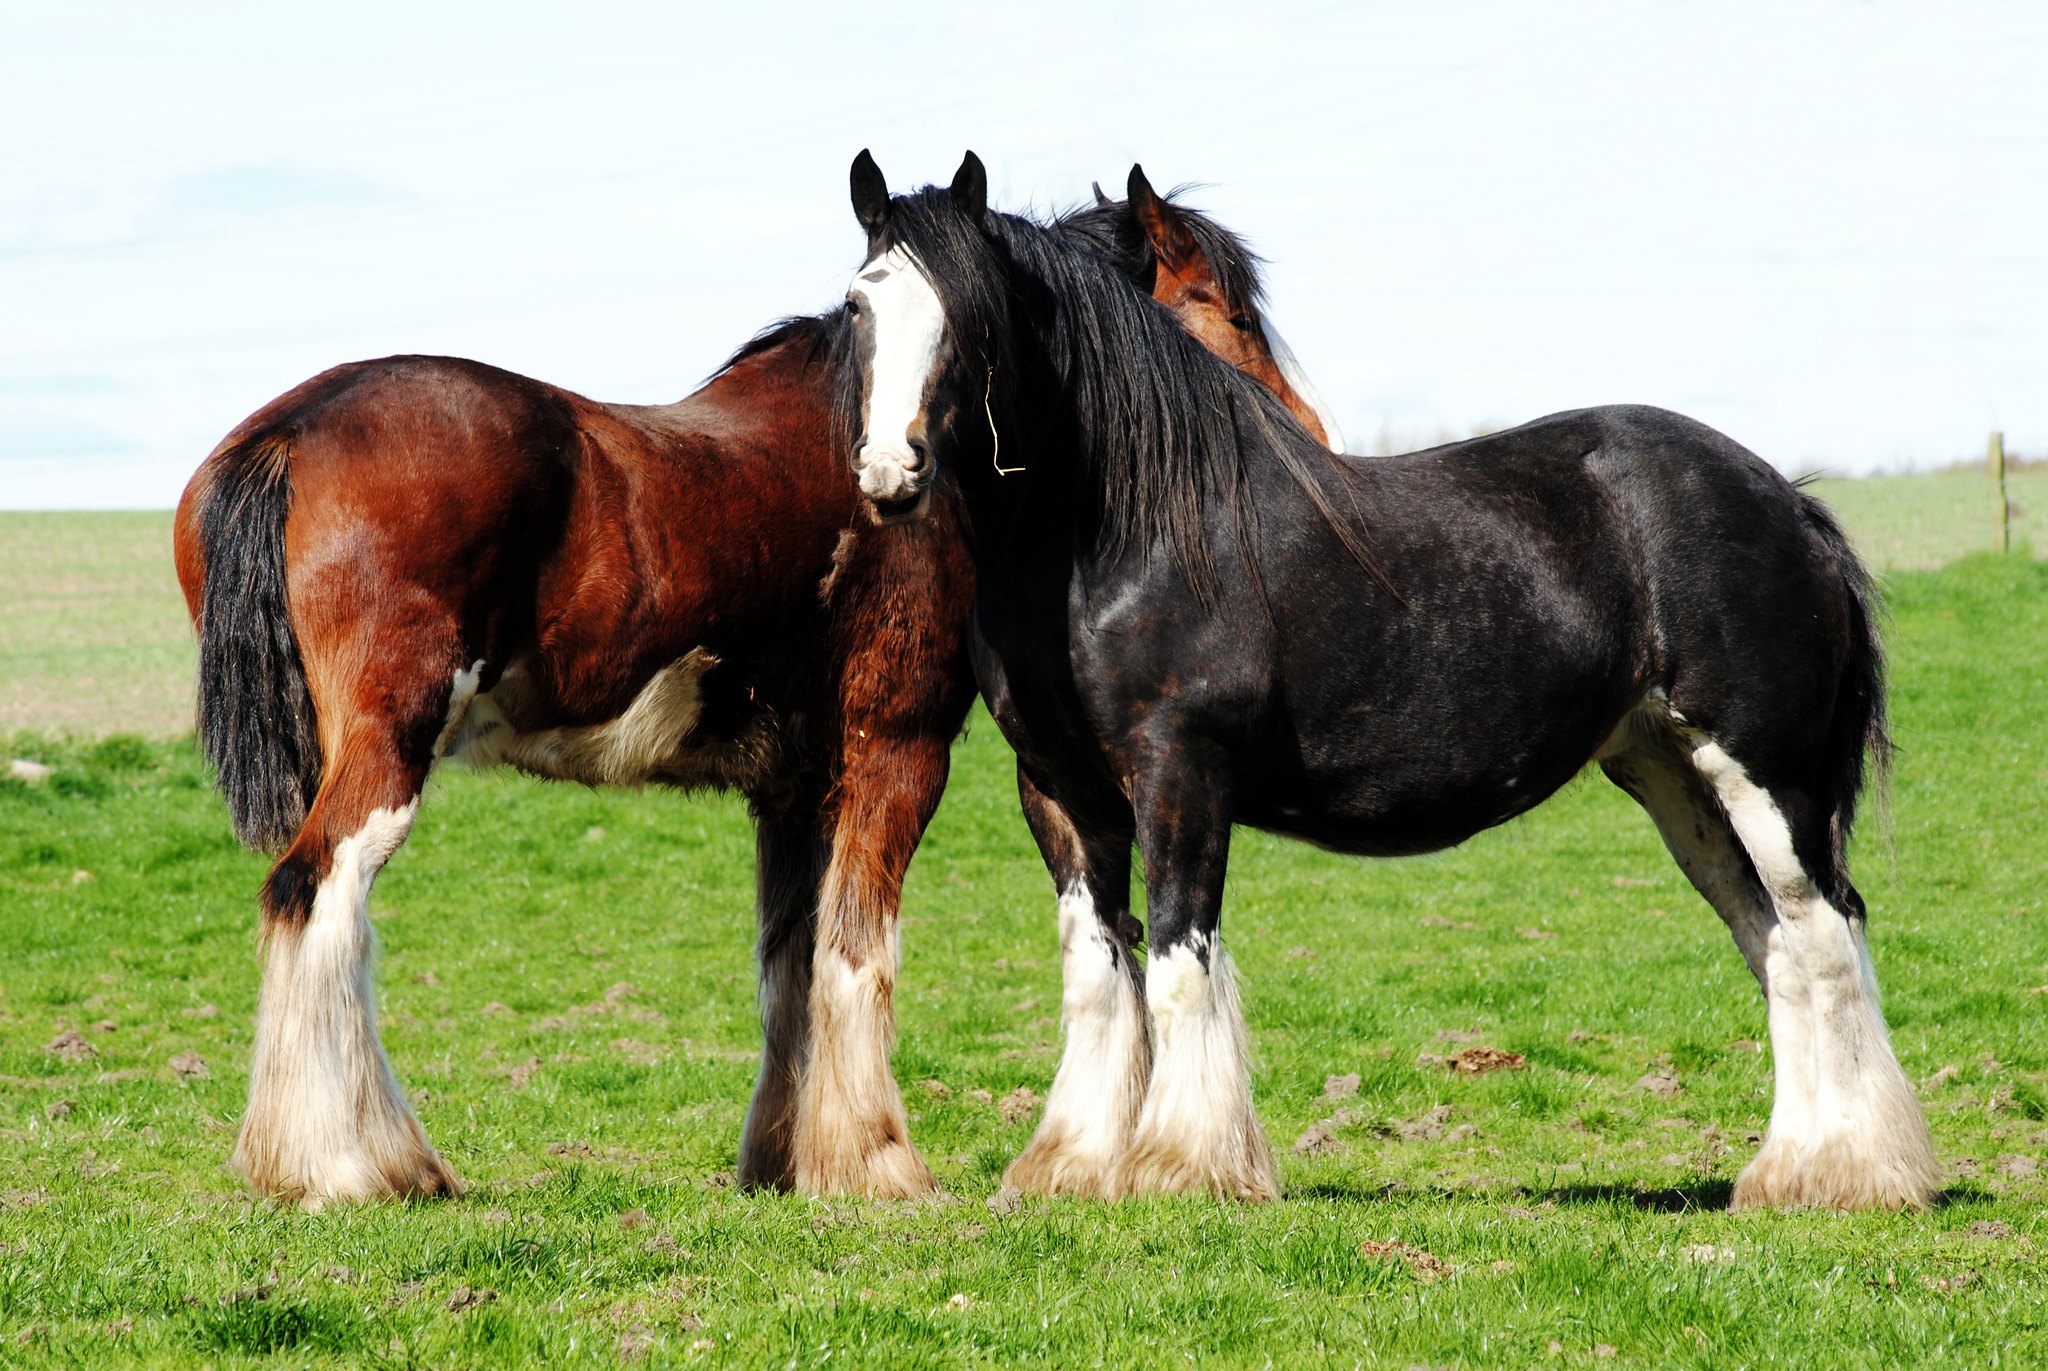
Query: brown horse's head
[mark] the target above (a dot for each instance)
(1217, 301)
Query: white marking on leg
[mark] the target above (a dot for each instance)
(909, 324)
(852, 1136)
(1845, 1129)
(326, 1119)
(1093, 1105)
(1197, 1130)
(1297, 380)
(1646, 755)
(461, 691)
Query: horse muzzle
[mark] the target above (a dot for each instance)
(895, 485)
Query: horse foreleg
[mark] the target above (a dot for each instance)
(1092, 1109)
(326, 1119)
(851, 1133)
(790, 858)
(1197, 1131)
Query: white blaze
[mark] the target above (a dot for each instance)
(1291, 372)
(909, 324)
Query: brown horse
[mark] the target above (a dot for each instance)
(416, 558)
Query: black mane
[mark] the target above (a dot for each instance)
(1160, 428)
(822, 331)
(1109, 228)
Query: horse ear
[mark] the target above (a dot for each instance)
(970, 187)
(1101, 201)
(1163, 229)
(870, 195)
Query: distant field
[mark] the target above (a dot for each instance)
(1912, 523)
(93, 637)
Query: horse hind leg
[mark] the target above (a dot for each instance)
(1859, 1140)
(326, 1119)
(1655, 768)
(790, 856)
(1845, 1130)
(1092, 1109)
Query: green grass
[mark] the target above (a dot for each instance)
(567, 989)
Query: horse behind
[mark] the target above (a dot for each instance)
(1191, 616)
(417, 559)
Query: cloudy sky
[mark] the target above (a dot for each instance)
(1821, 227)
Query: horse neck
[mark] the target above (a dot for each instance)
(1019, 481)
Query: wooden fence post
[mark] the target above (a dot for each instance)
(1997, 461)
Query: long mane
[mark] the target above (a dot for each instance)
(1164, 433)
(1108, 228)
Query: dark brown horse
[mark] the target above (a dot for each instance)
(417, 558)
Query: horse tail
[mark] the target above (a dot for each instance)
(1860, 728)
(257, 726)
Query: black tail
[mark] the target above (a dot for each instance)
(1860, 727)
(256, 722)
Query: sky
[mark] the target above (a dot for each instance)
(1820, 227)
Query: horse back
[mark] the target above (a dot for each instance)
(594, 544)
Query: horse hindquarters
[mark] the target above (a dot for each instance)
(1751, 770)
(326, 1119)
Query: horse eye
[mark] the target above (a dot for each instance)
(852, 307)
(1241, 322)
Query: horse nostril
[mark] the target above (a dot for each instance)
(919, 456)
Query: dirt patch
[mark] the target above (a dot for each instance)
(1423, 1265)
(1426, 1128)
(1663, 1083)
(1479, 1059)
(71, 1046)
(1321, 1136)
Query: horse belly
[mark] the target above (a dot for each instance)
(656, 738)
(1402, 791)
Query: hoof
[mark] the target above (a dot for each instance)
(1839, 1173)
(1051, 1166)
(1160, 1166)
(350, 1177)
(765, 1160)
(890, 1171)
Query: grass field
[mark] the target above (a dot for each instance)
(567, 991)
